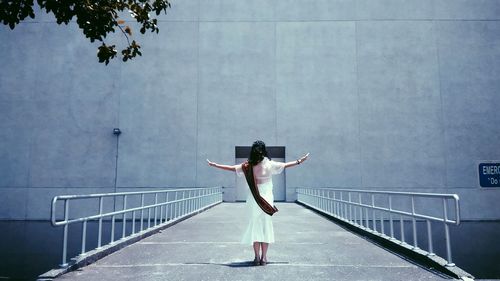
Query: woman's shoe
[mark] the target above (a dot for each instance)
(256, 261)
(263, 262)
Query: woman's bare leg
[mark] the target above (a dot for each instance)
(256, 249)
(264, 246)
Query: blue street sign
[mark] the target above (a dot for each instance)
(489, 174)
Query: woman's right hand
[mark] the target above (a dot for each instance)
(210, 163)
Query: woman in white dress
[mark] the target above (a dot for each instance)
(259, 231)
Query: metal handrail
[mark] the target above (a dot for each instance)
(347, 205)
(182, 203)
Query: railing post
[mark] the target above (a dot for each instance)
(346, 210)
(194, 199)
(207, 198)
(167, 205)
(415, 243)
(65, 233)
(390, 217)
(124, 217)
(342, 206)
(167, 211)
(179, 205)
(335, 204)
(316, 198)
(429, 237)
(350, 206)
(402, 227)
(308, 198)
(183, 203)
(176, 205)
(133, 222)
(112, 228)
(212, 196)
(326, 200)
(191, 201)
(161, 211)
(312, 197)
(360, 210)
(99, 237)
(447, 233)
(382, 229)
(190, 205)
(84, 236)
(156, 207)
(374, 221)
(367, 219)
(142, 210)
(355, 214)
(149, 217)
(322, 200)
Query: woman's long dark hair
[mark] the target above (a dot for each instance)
(257, 153)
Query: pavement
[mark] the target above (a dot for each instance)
(206, 247)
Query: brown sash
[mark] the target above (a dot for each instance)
(263, 204)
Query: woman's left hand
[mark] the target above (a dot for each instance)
(304, 158)
(210, 163)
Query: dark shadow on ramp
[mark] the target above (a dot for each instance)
(236, 264)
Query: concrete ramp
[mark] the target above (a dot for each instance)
(206, 247)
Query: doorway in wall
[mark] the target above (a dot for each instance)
(277, 153)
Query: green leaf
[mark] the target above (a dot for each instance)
(96, 19)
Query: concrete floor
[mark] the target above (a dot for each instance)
(206, 247)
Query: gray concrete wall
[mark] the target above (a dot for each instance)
(384, 94)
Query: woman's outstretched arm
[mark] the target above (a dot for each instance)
(223, 167)
(296, 162)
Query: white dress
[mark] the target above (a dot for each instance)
(260, 224)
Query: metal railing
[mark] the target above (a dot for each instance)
(368, 209)
(167, 205)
